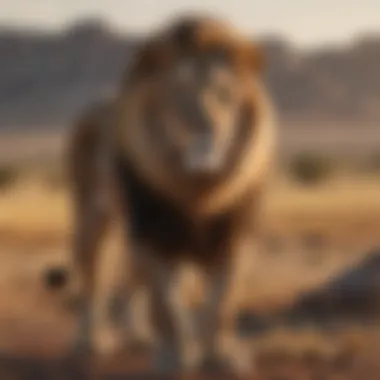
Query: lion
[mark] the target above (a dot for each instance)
(195, 140)
(184, 155)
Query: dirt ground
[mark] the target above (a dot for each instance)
(36, 328)
(37, 324)
(308, 237)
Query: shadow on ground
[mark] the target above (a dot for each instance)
(352, 296)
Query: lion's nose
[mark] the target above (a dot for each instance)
(201, 155)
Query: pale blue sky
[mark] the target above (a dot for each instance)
(303, 21)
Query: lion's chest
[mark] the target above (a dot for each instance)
(165, 227)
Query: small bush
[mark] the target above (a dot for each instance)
(374, 163)
(310, 169)
(8, 176)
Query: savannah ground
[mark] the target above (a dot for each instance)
(309, 234)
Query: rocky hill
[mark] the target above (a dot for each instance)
(45, 78)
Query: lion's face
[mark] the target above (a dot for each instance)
(190, 98)
(195, 112)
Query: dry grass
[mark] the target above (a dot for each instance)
(32, 213)
(35, 221)
(32, 208)
(344, 211)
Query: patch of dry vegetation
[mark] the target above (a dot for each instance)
(316, 230)
(310, 234)
(39, 205)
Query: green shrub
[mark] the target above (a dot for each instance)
(310, 169)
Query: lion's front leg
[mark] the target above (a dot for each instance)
(160, 277)
(208, 319)
(208, 325)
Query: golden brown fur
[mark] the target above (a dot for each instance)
(91, 191)
(96, 210)
(251, 167)
(172, 215)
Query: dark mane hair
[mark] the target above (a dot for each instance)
(191, 35)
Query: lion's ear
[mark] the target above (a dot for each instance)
(257, 59)
(147, 59)
(253, 57)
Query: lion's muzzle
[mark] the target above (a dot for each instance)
(202, 156)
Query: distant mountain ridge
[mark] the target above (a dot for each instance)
(45, 78)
